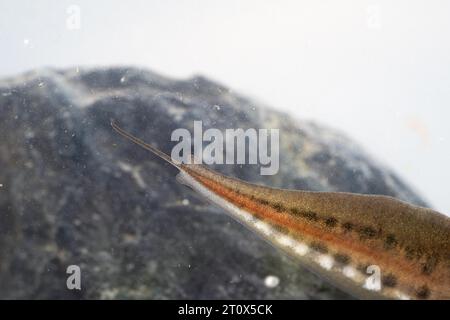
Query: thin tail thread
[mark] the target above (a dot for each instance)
(142, 144)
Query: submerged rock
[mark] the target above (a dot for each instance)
(72, 192)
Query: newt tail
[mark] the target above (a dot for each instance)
(337, 235)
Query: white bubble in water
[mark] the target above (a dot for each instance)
(185, 202)
(271, 281)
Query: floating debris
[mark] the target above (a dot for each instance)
(271, 281)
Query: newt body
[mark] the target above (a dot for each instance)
(337, 235)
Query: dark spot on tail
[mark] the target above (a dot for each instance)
(362, 267)
(423, 292)
(331, 222)
(390, 241)
(389, 280)
(429, 266)
(319, 247)
(342, 258)
(412, 254)
(310, 215)
(263, 201)
(367, 233)
(348, 226)
(278, 207)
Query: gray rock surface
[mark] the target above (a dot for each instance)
(74, 192)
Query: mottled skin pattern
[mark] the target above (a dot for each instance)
(410, 244)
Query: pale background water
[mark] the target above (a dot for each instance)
(376, 70)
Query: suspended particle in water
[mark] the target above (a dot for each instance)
(271, 281)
